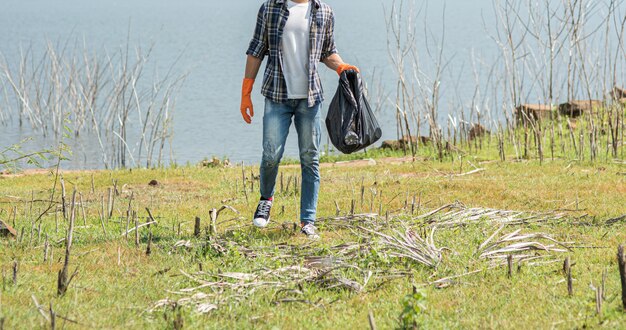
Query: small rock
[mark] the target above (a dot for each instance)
(371, 162)
(391, 144)
(533, 112)
(6, 230)
(579, 107)
(618, 93)
(477, 130)
(404, 142)
(153, 183)
(215, 162)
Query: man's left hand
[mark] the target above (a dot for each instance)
(343, 67)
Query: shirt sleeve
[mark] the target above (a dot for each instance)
(258, 45)
(329, 47)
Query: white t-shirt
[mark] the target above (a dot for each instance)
(295, 49)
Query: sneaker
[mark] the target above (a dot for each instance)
(262, 214)
(310, 231)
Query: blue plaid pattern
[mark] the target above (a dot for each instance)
(270, 22)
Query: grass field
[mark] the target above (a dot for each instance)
(274, 278)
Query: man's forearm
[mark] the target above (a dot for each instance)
(333, 61)
(253, 64)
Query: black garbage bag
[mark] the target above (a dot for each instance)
(350, 121)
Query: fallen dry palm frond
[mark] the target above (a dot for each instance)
(198, 300)
(331, 278)
(410, 245)
(457, 214)
(348, 220)
(519, 246)
(212, 290)
(311, 255)
(516, 245)
(184, 243)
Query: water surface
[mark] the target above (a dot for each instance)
(213, 36)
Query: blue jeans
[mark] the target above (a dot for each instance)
(276, 123)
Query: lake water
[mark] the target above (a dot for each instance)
(213, 36)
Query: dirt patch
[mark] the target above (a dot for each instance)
(8, 174)
(38, 171)
(362, 162)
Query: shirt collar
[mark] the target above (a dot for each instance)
(315, 2)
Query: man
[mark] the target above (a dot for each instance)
(295, 35)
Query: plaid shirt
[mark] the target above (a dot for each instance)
(268, 33)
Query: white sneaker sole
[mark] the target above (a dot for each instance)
(260, 222)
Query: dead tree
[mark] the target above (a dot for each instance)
(64, 281)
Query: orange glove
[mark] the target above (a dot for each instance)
(246, 100)
(343, 67)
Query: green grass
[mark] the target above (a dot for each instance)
(106, 294)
